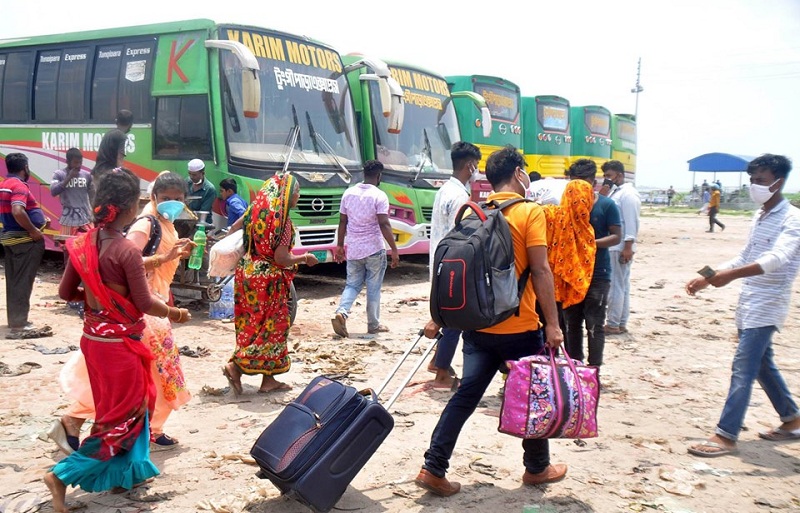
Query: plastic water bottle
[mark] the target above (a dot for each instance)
(223, 309)
(196, 259)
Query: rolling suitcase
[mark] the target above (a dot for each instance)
(321, 440)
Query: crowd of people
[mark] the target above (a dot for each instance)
(579, 249)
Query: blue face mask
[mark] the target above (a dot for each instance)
(170, 210)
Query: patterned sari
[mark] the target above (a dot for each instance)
(262, 287)
(571, 245)
(171, 390)
(117, 452)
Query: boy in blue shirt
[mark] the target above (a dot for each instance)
(234, 204)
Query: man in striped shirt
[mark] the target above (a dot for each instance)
(22, 240)
(768, 264)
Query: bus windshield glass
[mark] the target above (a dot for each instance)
(430, 126)
(553, 116)
(302, 85)
(626, 130)
(503, 103)
(598, 123)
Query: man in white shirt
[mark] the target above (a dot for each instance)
(449, 199)
(364, 224)
(627, 199)
(768, 264)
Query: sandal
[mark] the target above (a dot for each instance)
(780, 435)
(236, 384)
(719, 450)
(163, 442)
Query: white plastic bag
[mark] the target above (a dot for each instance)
(225, 255)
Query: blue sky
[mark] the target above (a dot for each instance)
(718, 75)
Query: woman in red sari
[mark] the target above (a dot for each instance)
(117, 453)
(263, 282)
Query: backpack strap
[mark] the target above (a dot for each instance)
(526, 273)
(154, 239)
(470, 205)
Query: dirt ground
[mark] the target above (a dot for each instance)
(664, 386)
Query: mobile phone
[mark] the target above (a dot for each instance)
(706, 272)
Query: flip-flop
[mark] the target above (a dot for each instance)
(780, 435)
(235, 386)
(721, 450)
(282, 386)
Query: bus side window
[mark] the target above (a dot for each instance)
(183, 127)
(16, 87)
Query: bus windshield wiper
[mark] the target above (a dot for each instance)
(294, 134)
(329, 150)
(427, 152)
(312, 133)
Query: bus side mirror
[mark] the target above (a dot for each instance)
(391, 97)
(251, 83)
(486, 121)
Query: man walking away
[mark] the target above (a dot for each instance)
(364, 221)
(111, 152)
(768, 265)
(449, 199)
(713, 208)
(22, 239)
(487, 350)
(627, 199)
(606, 222)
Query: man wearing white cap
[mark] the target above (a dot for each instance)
(202, 193)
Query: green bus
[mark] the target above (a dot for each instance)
(248, 101)
(546, 138)
(416, 159)
(623, 145)
(503, 99)
(591, 134)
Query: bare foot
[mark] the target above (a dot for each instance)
(72, 425)
(234, 376)
(59, 492)
(445, 380)
(792, 425)
(270, 384)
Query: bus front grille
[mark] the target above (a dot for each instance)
(427, 213)
(317, 237)
(317, 205)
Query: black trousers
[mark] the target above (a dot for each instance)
(21, 263)
(712, 219)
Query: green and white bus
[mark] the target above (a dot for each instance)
(590, 127)
(546, 136)
(416, 159)
(623, 145)
(504, 101)
(248, 101)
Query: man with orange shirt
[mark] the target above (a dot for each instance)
(713, 208)
(518, 336)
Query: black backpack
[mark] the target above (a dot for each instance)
(155, 235)
(475, 283)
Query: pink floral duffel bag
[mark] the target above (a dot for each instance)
(550, 397)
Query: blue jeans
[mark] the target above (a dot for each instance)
(484, 353)
(592, 310)
(370, 270)
(619, 296)
(753, 361)
(446, 348)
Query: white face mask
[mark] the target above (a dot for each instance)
(526, 189)
(760, 194)
(476, 175)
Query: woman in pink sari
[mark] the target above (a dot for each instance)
(117, 453)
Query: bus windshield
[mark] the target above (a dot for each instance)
(313, 96)
(553, 116)
(430, 128)
(503, 103)
(598, 123)
(626, 130)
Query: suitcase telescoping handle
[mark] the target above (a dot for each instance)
(413, 371)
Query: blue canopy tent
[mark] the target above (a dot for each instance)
(719, 163)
